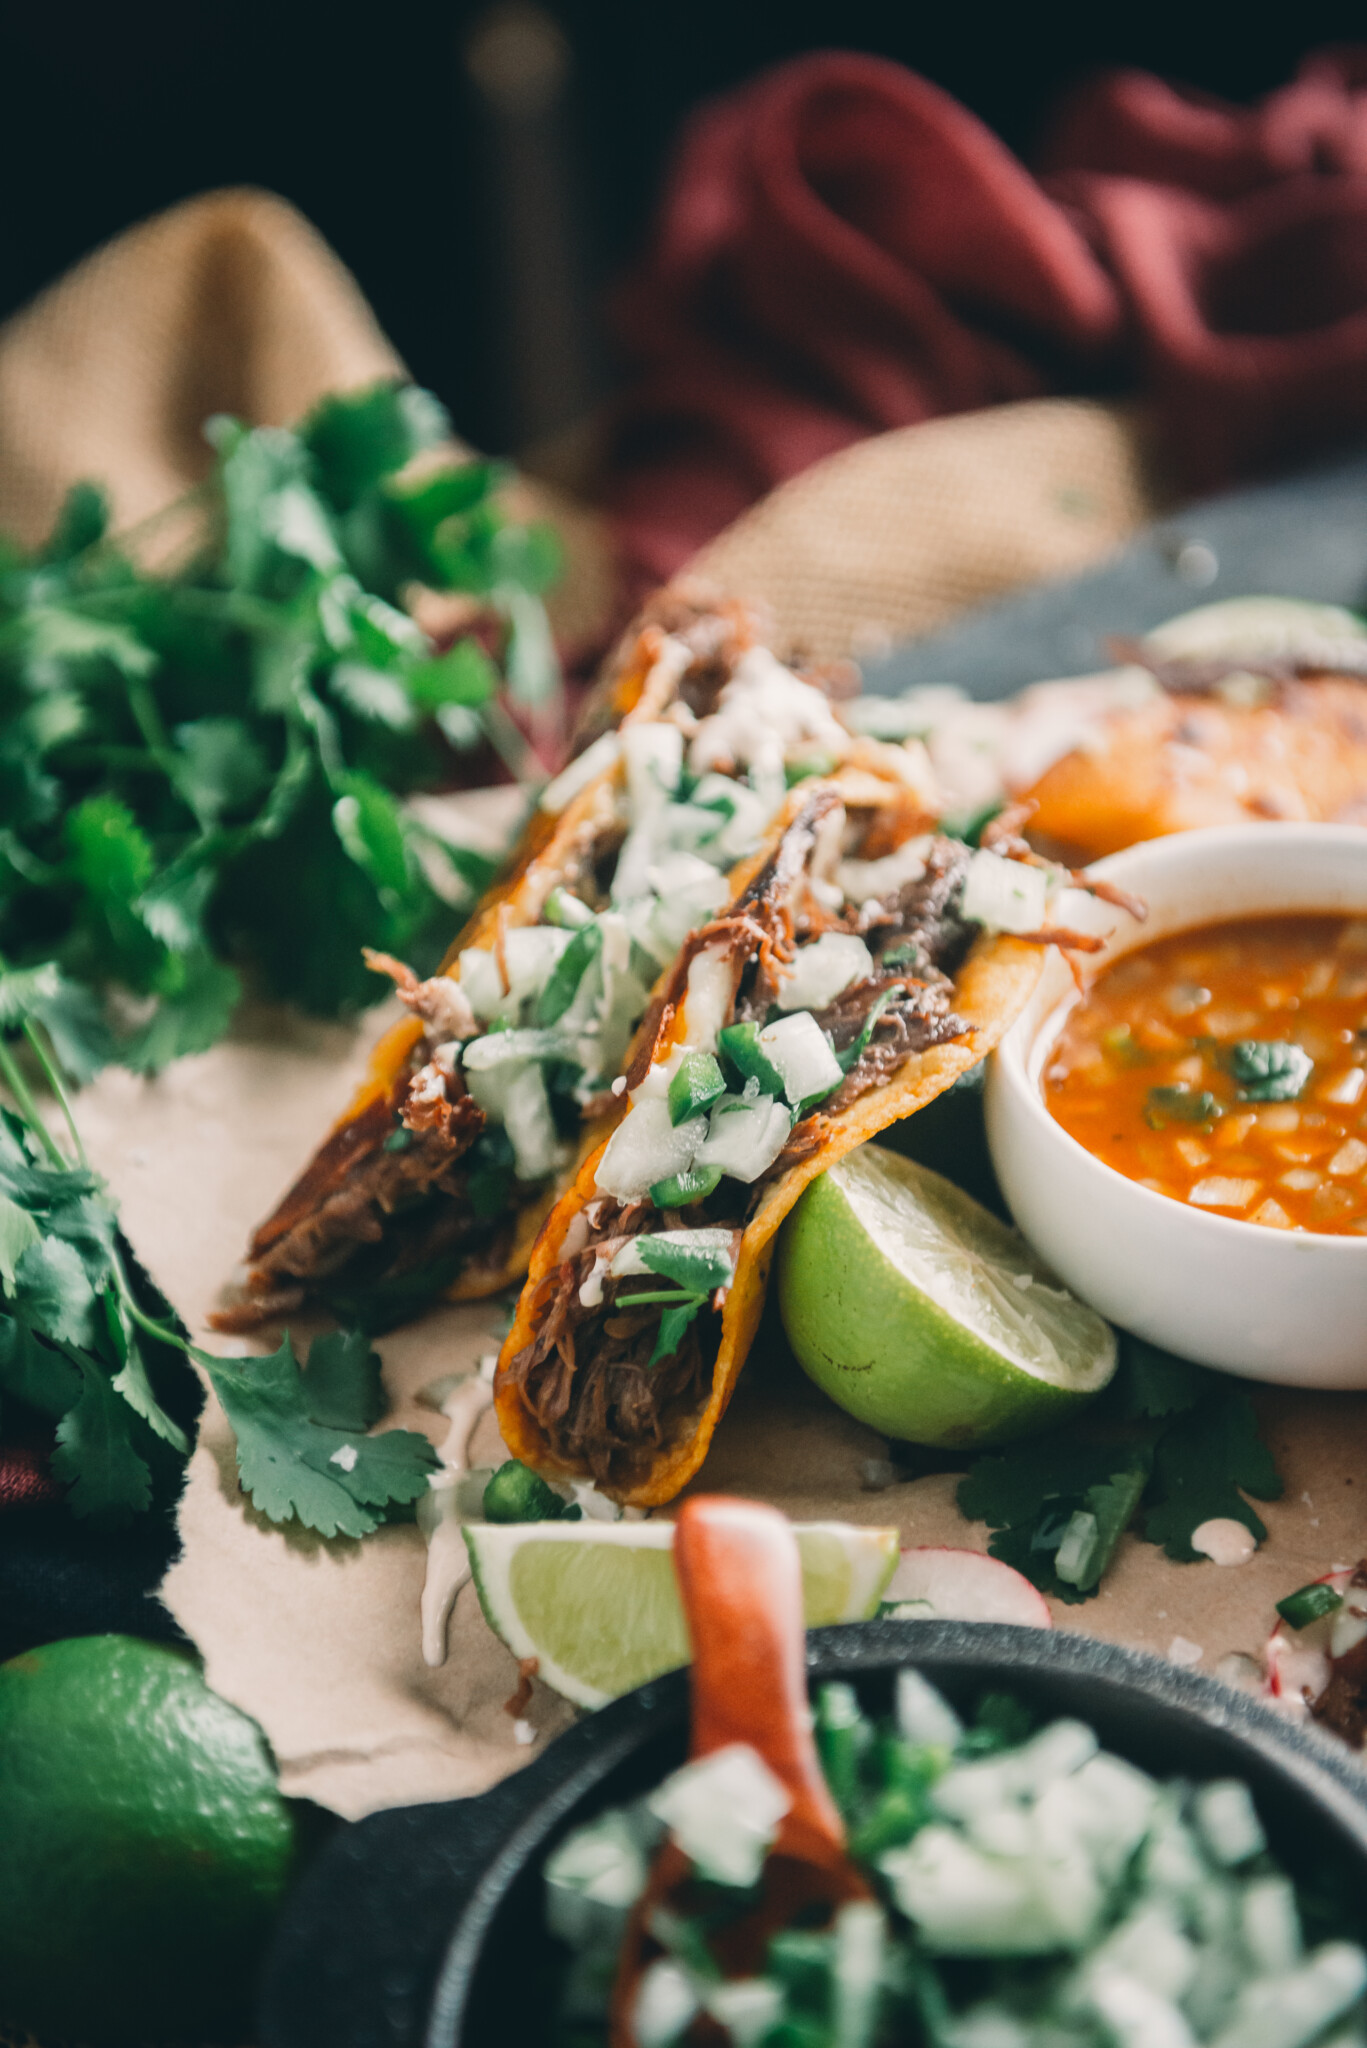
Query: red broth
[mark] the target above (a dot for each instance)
(1227, 1067)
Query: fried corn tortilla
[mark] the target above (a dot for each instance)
(1188, 759)
(443, 1168)
(841, 989)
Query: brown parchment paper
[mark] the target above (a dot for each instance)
(320, 1641)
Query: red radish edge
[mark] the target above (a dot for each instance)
(967, 1585)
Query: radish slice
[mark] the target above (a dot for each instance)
(939, 1584)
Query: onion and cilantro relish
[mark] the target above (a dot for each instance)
(1227, 1068)
(1031, 1890)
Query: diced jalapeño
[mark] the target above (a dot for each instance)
(695, 1087)
(680, 1188)
(517, 1494)
(1309, 1603)
(747, 1060)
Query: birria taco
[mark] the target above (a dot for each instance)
(442, 1170)
(863, 963)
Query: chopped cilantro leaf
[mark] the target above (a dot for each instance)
(1165, 1448)
(1203, 1466)
(1180, 1104)
(1268, 1070)
(331, 1478)
(95, 1457)
(697, 1268)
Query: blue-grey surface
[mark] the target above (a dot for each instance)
(1303, 536)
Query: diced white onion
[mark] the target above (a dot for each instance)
(530, 953)
(1227, 1822)
(653, 758)
(1004, 895)
(505, 1049)
(824, 970)
(688, 892)
(593, 1878)
(561, 791)
(707, 1001)
(801, 1052)
(1289, 2011)
(723, 1811)
(482, 982)
(745, 1142)
(537, 1150)
(862, 879)
(924, 1715)
(646, 1148)
(966, 1902)
(746, 814)
(1271, 1924)
(665, 2003)
(746, 2008)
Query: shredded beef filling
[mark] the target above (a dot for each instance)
(609, 1409)
(387, 1198)
(586, 1376)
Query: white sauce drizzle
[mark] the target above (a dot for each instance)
(1224, 1541)
(462, 1401)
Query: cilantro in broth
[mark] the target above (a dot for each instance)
(1268, 1070)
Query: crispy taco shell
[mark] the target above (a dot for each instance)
(991, 987)
(552, 852)
(1177, 762)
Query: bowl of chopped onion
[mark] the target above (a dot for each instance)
(1063, 1840)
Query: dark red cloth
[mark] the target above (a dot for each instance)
(842, 249)
(25, 1477)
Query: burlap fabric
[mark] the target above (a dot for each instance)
(229, 303)
(232, 303)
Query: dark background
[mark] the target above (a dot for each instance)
(485, 172)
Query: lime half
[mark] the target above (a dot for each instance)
(920, 1313)
(597, 1605)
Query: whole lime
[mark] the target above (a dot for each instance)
(925, 1317)
(145, 1847)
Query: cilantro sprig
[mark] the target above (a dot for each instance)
(1166, 1447)
(200, 770)
(695, 1271)
(95, 1352)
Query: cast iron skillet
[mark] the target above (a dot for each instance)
(424, 1926)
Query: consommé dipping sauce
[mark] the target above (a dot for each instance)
(1227, 1067)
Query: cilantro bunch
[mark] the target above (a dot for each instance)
(199, 771)
(1165, 1448)
(93, 1349)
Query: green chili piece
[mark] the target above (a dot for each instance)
(695, 1087)
(745, 1058)
(1309, 1603)
(517, 1494)
(1180, 1105)
(681, 1188)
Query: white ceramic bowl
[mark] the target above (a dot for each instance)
(1288, 1306)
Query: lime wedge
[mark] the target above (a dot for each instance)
(925, 1317)
(597, 1605)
